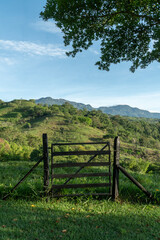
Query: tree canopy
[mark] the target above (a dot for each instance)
(128, 30)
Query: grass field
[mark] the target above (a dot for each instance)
(85, 219)
(26, 215)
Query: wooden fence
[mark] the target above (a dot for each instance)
(49, 176)
(53, 189)
(81, 165)
(113, 185)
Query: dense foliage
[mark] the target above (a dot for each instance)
(22, 115)
(21, 126)
(23, 123)
(127, 30)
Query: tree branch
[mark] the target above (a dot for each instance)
(129, 13)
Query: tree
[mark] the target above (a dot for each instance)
(128, 30)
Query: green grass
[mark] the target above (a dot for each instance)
(26, 215)
(12, 171)
(130, 192)
(85, 219)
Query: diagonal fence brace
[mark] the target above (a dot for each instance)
(27, 174)
(50, 191)
(135, 181)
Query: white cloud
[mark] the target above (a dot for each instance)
(32, 48)
(47, 26)
(6, 60)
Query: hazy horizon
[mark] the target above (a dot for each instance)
(82, 103)
(33, 64)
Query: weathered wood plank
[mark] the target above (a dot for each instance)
(46, 163)
(81, 175)
(78, 153)
(115, 187)
(79, 164)
(87, 185)
(86, 143)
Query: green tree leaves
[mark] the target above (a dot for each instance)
(128, 30)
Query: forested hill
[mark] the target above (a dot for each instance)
(122, 110)
(23, 122)
(125, 110)
(50, 101)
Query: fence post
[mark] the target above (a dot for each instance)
(46, 164)
(115, 186)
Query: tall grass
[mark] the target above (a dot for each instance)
(26, 215)
(32, 188)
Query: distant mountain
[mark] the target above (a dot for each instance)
(122, 110)
(51, 101)
(125, 110)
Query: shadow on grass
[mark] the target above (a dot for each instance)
(21, 220)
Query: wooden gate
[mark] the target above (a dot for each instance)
(55, 188)
(111, 189)
(100, 180)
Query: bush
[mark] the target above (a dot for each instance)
(85, 120)
(36, 154)
(136, 165)
(15, 152)
(153, 167)
(27, 125)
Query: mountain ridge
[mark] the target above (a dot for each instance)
(122, 110)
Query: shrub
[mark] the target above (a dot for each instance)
(136, 165)
(86, 120)
(14, 152)
(36, 154)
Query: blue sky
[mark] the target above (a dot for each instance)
(33, 64)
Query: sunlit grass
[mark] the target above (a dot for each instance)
(78, 219)
(11, 172)
(26, 215)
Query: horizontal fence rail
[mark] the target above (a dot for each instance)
(80, 164)
(86, 185)
(113, 186)
(55, 188)
(83, 143)
(69, 153)
(81, 175)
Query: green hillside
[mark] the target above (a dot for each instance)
(23, 122)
